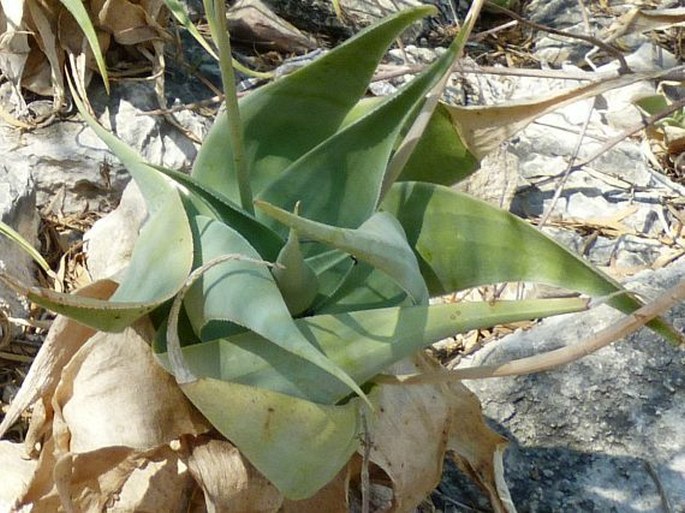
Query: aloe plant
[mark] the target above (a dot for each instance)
(297, 261)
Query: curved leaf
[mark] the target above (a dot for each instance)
(25, 246)
(99, 314)
(363, 343)
(464, 242)
(314, 99)
(264, 240)
(380, 242)
(245, 293)
(155, 274)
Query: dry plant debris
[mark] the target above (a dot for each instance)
(76, 454)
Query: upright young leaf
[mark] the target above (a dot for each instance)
(295, 279)
(380, 242)
(286, 118)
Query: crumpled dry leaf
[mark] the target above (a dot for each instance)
(63, 340)
(253, 22)
(113, 393)
(14, 45)
(17, 472)
(37, 38)
(416, 424)
(131, 22)
(230, 483)
(115, 414)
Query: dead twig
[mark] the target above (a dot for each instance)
(644, 123)
(659, 486)
(623, 64)
(366, 457)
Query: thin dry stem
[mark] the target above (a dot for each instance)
(560, 186)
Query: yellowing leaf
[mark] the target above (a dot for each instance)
(298, 444)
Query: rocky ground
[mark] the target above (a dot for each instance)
(602, 434)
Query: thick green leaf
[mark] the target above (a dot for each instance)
(440, 156)
(463, 242)
(286, 118)
(244, 293)
(364, 288)
(296, 280)
(339, 182)
(298, 445)
(265, 241)
(155, 273)
(99, 314)
(363, 343)
(80, 14)
(380, 242)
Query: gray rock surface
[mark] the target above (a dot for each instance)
(74, 171)
(18, 210)
(585, 437)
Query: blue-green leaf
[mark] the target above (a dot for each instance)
(363, 343)
(380, 242)
(288, 117)
(463, 242)
(244, 292)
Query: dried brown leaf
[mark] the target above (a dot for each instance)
(42, 22)
(130, 22)
(644, 20)
(416, 425)
(253, 22)
(230, 483)
(483, 128)
(17, 472)
(14, 42)
(114, 393)
(63, 340)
